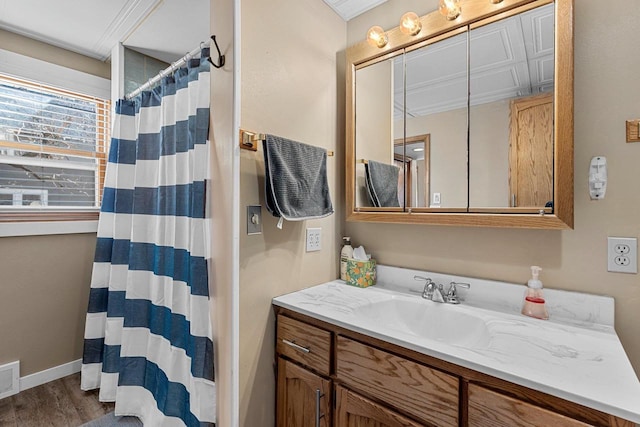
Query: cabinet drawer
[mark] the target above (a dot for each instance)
(304, 343)
(425, 393)
(490, 409)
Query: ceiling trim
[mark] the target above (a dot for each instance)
(130, 17)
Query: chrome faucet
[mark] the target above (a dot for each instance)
(436, 293)
(452, 293)
(431, 291)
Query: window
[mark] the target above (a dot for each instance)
(52, 152)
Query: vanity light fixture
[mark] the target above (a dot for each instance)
(410, 24)
(377, 37)
(450, 9)
(418, 149)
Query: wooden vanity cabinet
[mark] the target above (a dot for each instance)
(304, 389)
(334, 377)
(413, 388)
(353, 410)
(488, 408)
(303, 397)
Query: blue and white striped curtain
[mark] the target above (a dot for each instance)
(148, 339)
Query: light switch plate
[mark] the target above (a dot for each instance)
(622, 254)
(436, 199)
(254, 220)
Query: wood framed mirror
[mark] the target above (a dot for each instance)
(493, 92)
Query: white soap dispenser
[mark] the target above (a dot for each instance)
(345, 253)
(533, 304)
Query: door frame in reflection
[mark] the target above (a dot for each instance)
(408, 163)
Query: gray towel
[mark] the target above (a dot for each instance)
(296, 184)
(383, 183)
(367, 181)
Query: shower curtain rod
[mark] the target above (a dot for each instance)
(174, 66)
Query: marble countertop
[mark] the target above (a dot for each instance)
(576, 356)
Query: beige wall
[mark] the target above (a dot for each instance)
(290, 85)
(45, 279)
(448, 153)
(55, 55)
(489, 154)
(607, 58)
(44, 292)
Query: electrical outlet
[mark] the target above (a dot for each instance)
(314, 239)
(622, 254)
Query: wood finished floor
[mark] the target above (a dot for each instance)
(59, 403)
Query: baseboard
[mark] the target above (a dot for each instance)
(50, 374)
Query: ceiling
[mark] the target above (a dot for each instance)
(348, 9)
(509, 58)
(411, 150)
(93, 27)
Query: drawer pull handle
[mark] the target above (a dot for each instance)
(319, 395)
(296, 346)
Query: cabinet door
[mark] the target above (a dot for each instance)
(490, 409)
(353, 410)
(418, 390)
(303, 397)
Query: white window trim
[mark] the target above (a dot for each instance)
(18, 229)
(36, 70)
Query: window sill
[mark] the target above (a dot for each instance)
(16, 229)
(21, 222)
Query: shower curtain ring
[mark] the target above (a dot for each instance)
(220, 55)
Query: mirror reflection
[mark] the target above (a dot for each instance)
(511, 112)
(414, 155)
(379, 181)
(436, 105)
(461, 124)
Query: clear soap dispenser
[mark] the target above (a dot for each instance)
(533, 304)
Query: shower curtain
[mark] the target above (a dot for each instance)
(148, 339)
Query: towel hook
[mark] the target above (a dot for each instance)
(220, 55)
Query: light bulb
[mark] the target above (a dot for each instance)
(410, 24)
(450, 9)
(377, 37)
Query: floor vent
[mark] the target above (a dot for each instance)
(9, 379)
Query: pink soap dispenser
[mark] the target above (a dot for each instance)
(533, 304)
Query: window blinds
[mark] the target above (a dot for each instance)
(52, 147)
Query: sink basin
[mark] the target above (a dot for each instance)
(440, 322)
